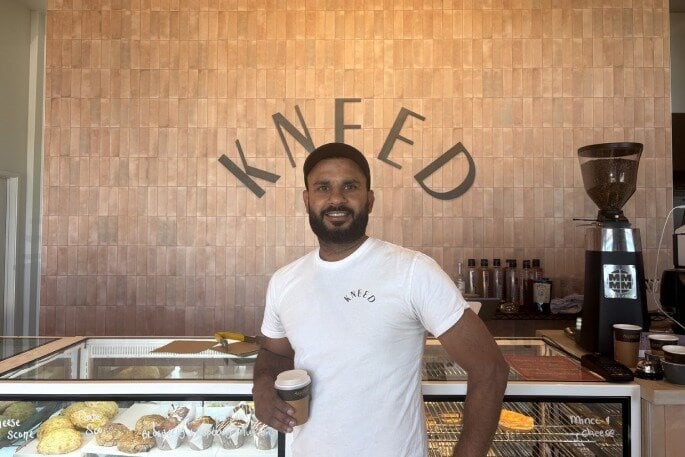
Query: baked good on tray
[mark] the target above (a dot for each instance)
(110, 434)
(60, 441)
(53, 423)
(132, 442)
(20, 410)
(232, 433)
(265, 437)
(515, 422)
(148, 422)
(87, 418)
(450, 418)
(168, 434)
(108, 408)
(200, 432)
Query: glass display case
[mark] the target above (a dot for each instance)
(11, 346)
(552, 405)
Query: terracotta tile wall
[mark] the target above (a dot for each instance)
(144, 232)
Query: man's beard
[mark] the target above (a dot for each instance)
(338, 235)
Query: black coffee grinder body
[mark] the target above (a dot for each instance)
(614, 270)
(614, 286)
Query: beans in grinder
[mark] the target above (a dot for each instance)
(294, 387)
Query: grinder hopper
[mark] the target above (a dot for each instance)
(614, 271)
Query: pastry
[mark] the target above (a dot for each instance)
(60, 441)
(148, 422)
(168, 434)
(87, 418)
(132, 442)
(511, 420)
(265, 437)
(201, 432)
(232, 433)
(144, 372)
(110, 434)
(20, 410)
(53, 423)
(179, 413)
(4, 426)
(5, 404)
(76, 405)
(109, 408)
(451, 418)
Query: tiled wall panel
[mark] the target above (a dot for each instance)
(145, 232)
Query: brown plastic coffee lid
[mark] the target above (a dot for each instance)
(292, 379)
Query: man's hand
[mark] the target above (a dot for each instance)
(275, 356)
(270, 409)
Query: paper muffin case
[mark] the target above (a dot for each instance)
(233, 430)
(265, 437)
(167, 440)
(202, 438)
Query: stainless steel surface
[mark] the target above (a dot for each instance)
(620, 281)
(599, 238)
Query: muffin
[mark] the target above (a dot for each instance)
(265, 437)
(148, 422)
(108, 408)
(53, 423)
(132, 442)
(200, 432)
(110, 434)
(232, 433)
(168, 434)
(179, 413)
(60, 441)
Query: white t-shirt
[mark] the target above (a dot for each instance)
(358, 327)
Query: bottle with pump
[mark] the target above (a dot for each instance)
(511, 290)
(471, 277)
(497, 279)
(484, 285)
(459, 279)
(526, 286)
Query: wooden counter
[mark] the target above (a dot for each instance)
(662, 405)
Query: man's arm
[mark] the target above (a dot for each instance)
(470, 344)
(275, 356)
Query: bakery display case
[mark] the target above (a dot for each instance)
(198, 400)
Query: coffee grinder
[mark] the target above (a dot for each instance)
(614, 270)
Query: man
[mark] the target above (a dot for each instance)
(354, 315)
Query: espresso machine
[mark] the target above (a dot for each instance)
(614, 270)
(672, 286)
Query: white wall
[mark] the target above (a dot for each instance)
(22, 64)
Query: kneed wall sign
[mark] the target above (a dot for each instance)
(304, 138)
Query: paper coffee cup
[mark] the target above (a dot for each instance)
(658, 340)
(627, 344)
(294, 387)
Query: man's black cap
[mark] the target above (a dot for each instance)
(333, 151)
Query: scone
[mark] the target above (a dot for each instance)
(20, 410)
(517, 422)
(74, 406)
(132, 442)
(60, 441)
(148, 422)
(110, 434)
(53, 423)
(108, 408)
(87, 418)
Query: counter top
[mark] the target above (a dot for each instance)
(656, 392)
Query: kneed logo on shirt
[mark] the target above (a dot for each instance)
(304, 138)
(360, 294)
